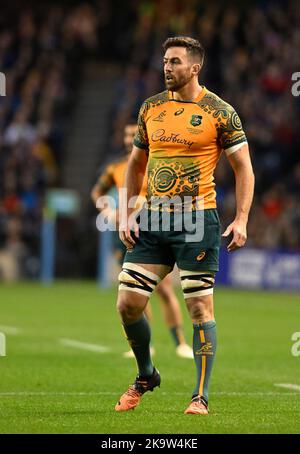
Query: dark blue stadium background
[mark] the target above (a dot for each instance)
(48, 50)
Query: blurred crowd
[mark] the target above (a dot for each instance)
(251, 52)
(40, 51)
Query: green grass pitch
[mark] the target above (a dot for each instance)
(47, 387)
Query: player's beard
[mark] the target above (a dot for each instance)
(177, 83)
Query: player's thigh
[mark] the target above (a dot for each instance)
(198, 287)
(167, 280)
(199, 251)
(152, 251)
(165, 288)
(119, 248)
(160, 270)
(140, 279)
(136, 284)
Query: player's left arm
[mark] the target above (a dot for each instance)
(104, 183)
(240, 162)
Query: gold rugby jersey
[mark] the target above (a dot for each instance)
(114, 175)
(185, 140)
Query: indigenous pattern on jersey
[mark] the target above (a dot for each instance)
(185, 140)
(114, 175)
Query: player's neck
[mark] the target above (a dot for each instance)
(189, 92)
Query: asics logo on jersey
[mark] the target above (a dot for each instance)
(179, 112)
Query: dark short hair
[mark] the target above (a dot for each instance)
(193, 46)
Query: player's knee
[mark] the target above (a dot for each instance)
(127, 307)
(164, 291)
(200, 308)
(136, 279)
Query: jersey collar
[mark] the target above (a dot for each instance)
(195, 101)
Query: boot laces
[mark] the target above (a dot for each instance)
(133, 391)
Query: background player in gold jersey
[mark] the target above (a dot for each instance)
(113, 176)
(181, 135)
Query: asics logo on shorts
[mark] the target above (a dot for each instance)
(200, 256)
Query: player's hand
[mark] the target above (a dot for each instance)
(125, 233)
(239, 232)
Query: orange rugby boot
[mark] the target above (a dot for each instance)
(132, 397)
(198, 406)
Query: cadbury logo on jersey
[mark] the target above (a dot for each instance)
(159, 136)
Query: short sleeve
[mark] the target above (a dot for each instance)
(230, 131)
(141, 136)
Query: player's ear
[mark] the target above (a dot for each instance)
(196, 69)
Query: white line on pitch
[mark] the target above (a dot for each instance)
(84, 346)
(109, 393)
(10, 330)
(288, 386)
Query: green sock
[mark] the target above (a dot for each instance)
(204, 346)
(139, 335)
(177, 334)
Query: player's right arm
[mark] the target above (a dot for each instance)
(134, 179)
(136, 169)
